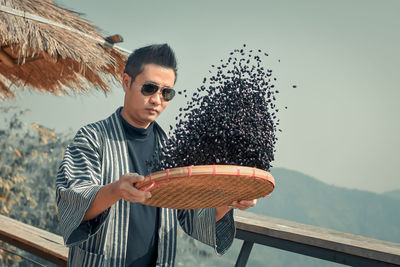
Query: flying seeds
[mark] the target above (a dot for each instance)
(229, 120)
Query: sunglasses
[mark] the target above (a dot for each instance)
(149, 89)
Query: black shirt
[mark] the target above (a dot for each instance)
(143, 220)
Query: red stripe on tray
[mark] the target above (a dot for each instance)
(189, 170)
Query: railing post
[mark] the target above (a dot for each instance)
(244, 254)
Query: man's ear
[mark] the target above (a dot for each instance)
(126, 81)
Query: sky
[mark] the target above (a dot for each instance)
(341, 125)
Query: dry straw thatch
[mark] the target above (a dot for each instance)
(52, 49)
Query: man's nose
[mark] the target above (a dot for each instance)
(156, 98)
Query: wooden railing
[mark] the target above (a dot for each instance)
(317, 242)
(39, 242)
(322, 243)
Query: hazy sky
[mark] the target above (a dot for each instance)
(341, 125)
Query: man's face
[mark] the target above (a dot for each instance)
(140, 110)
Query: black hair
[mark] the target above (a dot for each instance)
(158, 54)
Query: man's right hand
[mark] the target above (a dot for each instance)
(128, 191)
(124, 188)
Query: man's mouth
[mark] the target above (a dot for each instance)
(152, 110)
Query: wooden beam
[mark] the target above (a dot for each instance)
(6, 59)
(113, 39)
(39, 242)
(11, 62)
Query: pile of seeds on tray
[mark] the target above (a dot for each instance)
(231, 119)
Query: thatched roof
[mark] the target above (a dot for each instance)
(52, 49)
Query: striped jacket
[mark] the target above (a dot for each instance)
(98, 155)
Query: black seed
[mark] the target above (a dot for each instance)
(231, 121)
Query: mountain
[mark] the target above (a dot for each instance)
(393, 194)
(302, 198)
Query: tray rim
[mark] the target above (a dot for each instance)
(157, 178)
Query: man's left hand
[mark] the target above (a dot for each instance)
(242, 205)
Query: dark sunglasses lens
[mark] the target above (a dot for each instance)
(168, 94)
(149, 89)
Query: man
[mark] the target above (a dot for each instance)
(102, 217)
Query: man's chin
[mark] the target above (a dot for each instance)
(151, 118)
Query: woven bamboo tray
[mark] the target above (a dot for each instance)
(206, 186)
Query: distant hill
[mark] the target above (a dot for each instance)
(302, 198)
(393, 194)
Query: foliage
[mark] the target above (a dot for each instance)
(29, 158)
